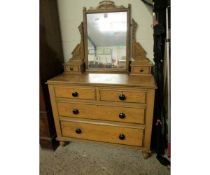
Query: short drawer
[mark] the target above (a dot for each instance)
(141, 70)
(86, 93)
(123, 95)
(111, 113)
(73, 68)
(101, 132)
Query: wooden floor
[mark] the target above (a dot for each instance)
(90, 158)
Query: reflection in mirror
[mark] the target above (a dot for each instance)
(106, 35)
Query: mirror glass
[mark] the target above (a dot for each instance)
(106, 40)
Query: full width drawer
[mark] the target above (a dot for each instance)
(102, 112)
(86, 93)
(100, 132)
(123, 95)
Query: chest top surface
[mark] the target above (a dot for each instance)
(98, 79)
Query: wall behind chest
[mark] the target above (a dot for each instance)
(71, 15)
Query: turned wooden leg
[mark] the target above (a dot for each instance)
(146, 155)
(62, 143)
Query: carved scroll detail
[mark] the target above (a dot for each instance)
(134, 28)
(75, 65)
(138, 53)
(140, 64)
(78, 52)
(107, 4)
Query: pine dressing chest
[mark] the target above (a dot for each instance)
(106, 92)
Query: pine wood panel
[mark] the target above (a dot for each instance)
(54, 109)
(105, 133)
(101, 112)
(149, 119)
(86, 93)
(146, 81)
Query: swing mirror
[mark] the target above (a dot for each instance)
(107, 39)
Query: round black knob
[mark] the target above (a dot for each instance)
(71, 68)
(75, 94)
(122, 97)
(75, 111)
(141, 70)
(122, 115)
(121, 136)
(78, 131)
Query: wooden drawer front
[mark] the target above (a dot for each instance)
(86, 93)
(105, 133)
(140, 70)
(72, 68)
(135, 96)
(112, 113)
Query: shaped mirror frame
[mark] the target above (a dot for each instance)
(103, 54)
